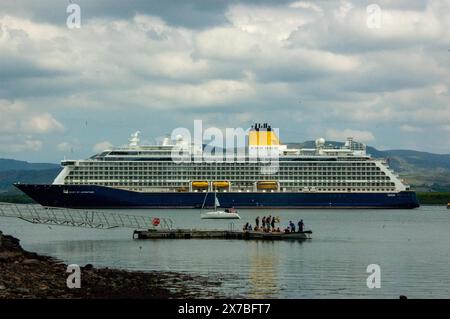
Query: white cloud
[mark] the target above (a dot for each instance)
(69, 146)
(19, 144)
(19, 117)
(11, 114)
(210, 94)
(340, 135)
(306, 5)
(42, 123)
(28, 145)
(18, 125)
(343, 10)
(100, 147)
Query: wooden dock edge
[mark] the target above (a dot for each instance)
(217, 234)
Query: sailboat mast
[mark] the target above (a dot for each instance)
(215, 189)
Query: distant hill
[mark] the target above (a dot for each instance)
(423, 171)
(12, 171)
(7, 178)
(10, 165)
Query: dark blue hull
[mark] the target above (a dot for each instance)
(80, 196)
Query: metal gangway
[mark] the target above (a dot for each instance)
(38, 214)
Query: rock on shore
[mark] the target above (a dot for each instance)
(25, 274)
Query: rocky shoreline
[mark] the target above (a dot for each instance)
(28, 275)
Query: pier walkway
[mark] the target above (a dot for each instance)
(145, 227)
(218, 234)
(38, 214)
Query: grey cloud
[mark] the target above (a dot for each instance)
(195, 14)
(385, 80)
(13, 68)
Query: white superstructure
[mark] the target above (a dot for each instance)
(150, 168)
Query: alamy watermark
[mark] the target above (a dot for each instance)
(374, 279)
(74, 18)
(374, 16)
(211, 145)
(74, 279)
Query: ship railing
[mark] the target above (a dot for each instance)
(37, 214)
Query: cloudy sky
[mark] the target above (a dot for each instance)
(320, 68)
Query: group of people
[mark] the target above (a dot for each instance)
(291, 227)
(268, 225)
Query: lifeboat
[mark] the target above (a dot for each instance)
(200, 184)
(267, 185)
(221, 184)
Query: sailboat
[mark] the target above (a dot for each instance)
(228, 213)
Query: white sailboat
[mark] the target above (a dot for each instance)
(228, 213)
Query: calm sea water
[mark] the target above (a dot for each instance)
(412, 247)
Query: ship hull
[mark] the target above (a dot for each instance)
(89, 196)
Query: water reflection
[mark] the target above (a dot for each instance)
(263, 272)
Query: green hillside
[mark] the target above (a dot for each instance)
(14, 165)
(433, 198)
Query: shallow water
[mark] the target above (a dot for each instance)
(412, 247)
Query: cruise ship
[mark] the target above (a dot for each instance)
(147, 176)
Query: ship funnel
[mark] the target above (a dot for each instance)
(263, 135)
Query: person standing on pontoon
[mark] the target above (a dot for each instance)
(257, 221)
(272, 223)
(292, 226)
(263, 222)
(300, 226)
(268, 220)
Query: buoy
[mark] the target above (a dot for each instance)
(156, 221)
